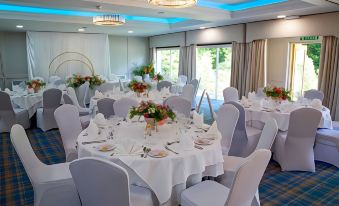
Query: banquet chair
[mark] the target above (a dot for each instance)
(106, 87)
(200, 101)
(102, 183)
(69, 123)
(52, 184)
(105, 107)
(230, 94)
(245, 138)
(326, 147)
(294, 150)
(59, 82)
(188, 93)
(242, 191)
(85, 117)
(83, 92)
(121, 85)
(53, 79)
(314, 94)
(227, 119)
(213, 114)
(164, 84)
(51, 99)
(195, 84)
(75, 102)
(182, 79)
(122, 106)
(10, 116)
(179, 105)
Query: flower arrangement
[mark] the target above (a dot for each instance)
(35, 84)
(278, 93)
(139, 87)
(141, 71)
(151, 110)
(158, 77)
(77, 80)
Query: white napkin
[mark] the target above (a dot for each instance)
(98, 94)
(100, 119)
(251, 96)
(244, 101)
(128, 146)
(8, 91)
(92, 130)
(316, 104)
(198, 119)
(62, 87)
(213, 131)
(257, 104)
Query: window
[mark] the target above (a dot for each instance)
(167, 62)
(214, 69)
(304, 67)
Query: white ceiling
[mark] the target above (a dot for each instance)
(196, 16)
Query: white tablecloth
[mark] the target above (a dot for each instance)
(163, 174)
(30, 102)
(283, 118)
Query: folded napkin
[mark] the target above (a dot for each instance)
(98, 94)
(213, 131)
(128, 146)
(244, 101)
(316, 104)
(252, 96)
(92, 130)
(8, 91)
(100, 119)
(198, 119)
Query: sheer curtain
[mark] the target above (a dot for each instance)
(187, 61)
(329, 74)
(238, 71)
(42, 47)
(152, 55)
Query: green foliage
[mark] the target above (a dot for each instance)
(146, 69)
(313, 52)
(224, 55)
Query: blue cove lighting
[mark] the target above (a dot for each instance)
(238, 7)
(49, 11)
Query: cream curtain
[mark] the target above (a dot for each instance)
(187, 61)
(152, 55)
(329, 74)
(238, 66)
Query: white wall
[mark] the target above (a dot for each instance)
(168, 40)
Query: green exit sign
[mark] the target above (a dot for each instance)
(309, 38)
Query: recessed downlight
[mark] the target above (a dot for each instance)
(281, 16)
(202, 27)
(19, 26)
(81, 29)
(130, 32)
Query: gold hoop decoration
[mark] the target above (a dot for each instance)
(89, 65)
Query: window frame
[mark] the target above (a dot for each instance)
(163, 49)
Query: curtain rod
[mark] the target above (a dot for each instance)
(214, 44)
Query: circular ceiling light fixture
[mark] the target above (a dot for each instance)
(173, 3)
(109, 20)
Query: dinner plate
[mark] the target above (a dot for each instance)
(158, 153)
(105, 147)
(203, 141)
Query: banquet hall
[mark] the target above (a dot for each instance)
(169, 102)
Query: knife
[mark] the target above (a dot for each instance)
(92, 142)
(171, 150)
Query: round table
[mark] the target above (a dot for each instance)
(29, 102)
(164, 176)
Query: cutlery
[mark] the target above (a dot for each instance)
(198, 147)
(169, 143)
(86, 134)
(92, 142)
(167, 148)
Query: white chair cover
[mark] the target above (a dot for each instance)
(200, 101)
(179, 104)
(52, 184)
(106, 87)
(164, 84)
(102, 183)
(45, 116)
(213, 114)
(73, 96)
(53, 79)
(294, 152)
(314, 94)
(327, 146)
(83, 92)
(242, 191)
(121, 85)
(182, 79)
(122, 106)
(105, 107)
(227, 119)
(67, 118)
(67, 99)
(138, 78)
(10, 116)
(230, 94)
(188, 92)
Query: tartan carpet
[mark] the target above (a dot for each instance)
(276, 188)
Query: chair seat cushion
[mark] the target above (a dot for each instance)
(328, 137)
(140, 196)
(253, 132)
(232, 163)
(206, 193)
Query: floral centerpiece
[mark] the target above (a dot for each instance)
(153, 113)
(77, 80)
(278, 93)
(158, 77)
(36, 84)
(146, 71)
(139, 87)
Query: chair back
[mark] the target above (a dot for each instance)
(200, 101)
(314, 94)
(164, 84)
(122, 106)
(67, 99)
(179, 104)
(59, 82)
(195, 84)
(247, 178)
(69, 123)
(6, 104)
(73, 96)
(182, 79)
(83, 92)
(230, 94)
(268, 134)
(51, 98)
(239, 140)
(227, 119)
(100, 182)
(121, 85)
(106, 87)
(105, 107)
(188, 92)
(53, 79)
(33, 166)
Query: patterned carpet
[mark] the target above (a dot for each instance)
(277, 188)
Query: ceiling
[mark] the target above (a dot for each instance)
(145, 19)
